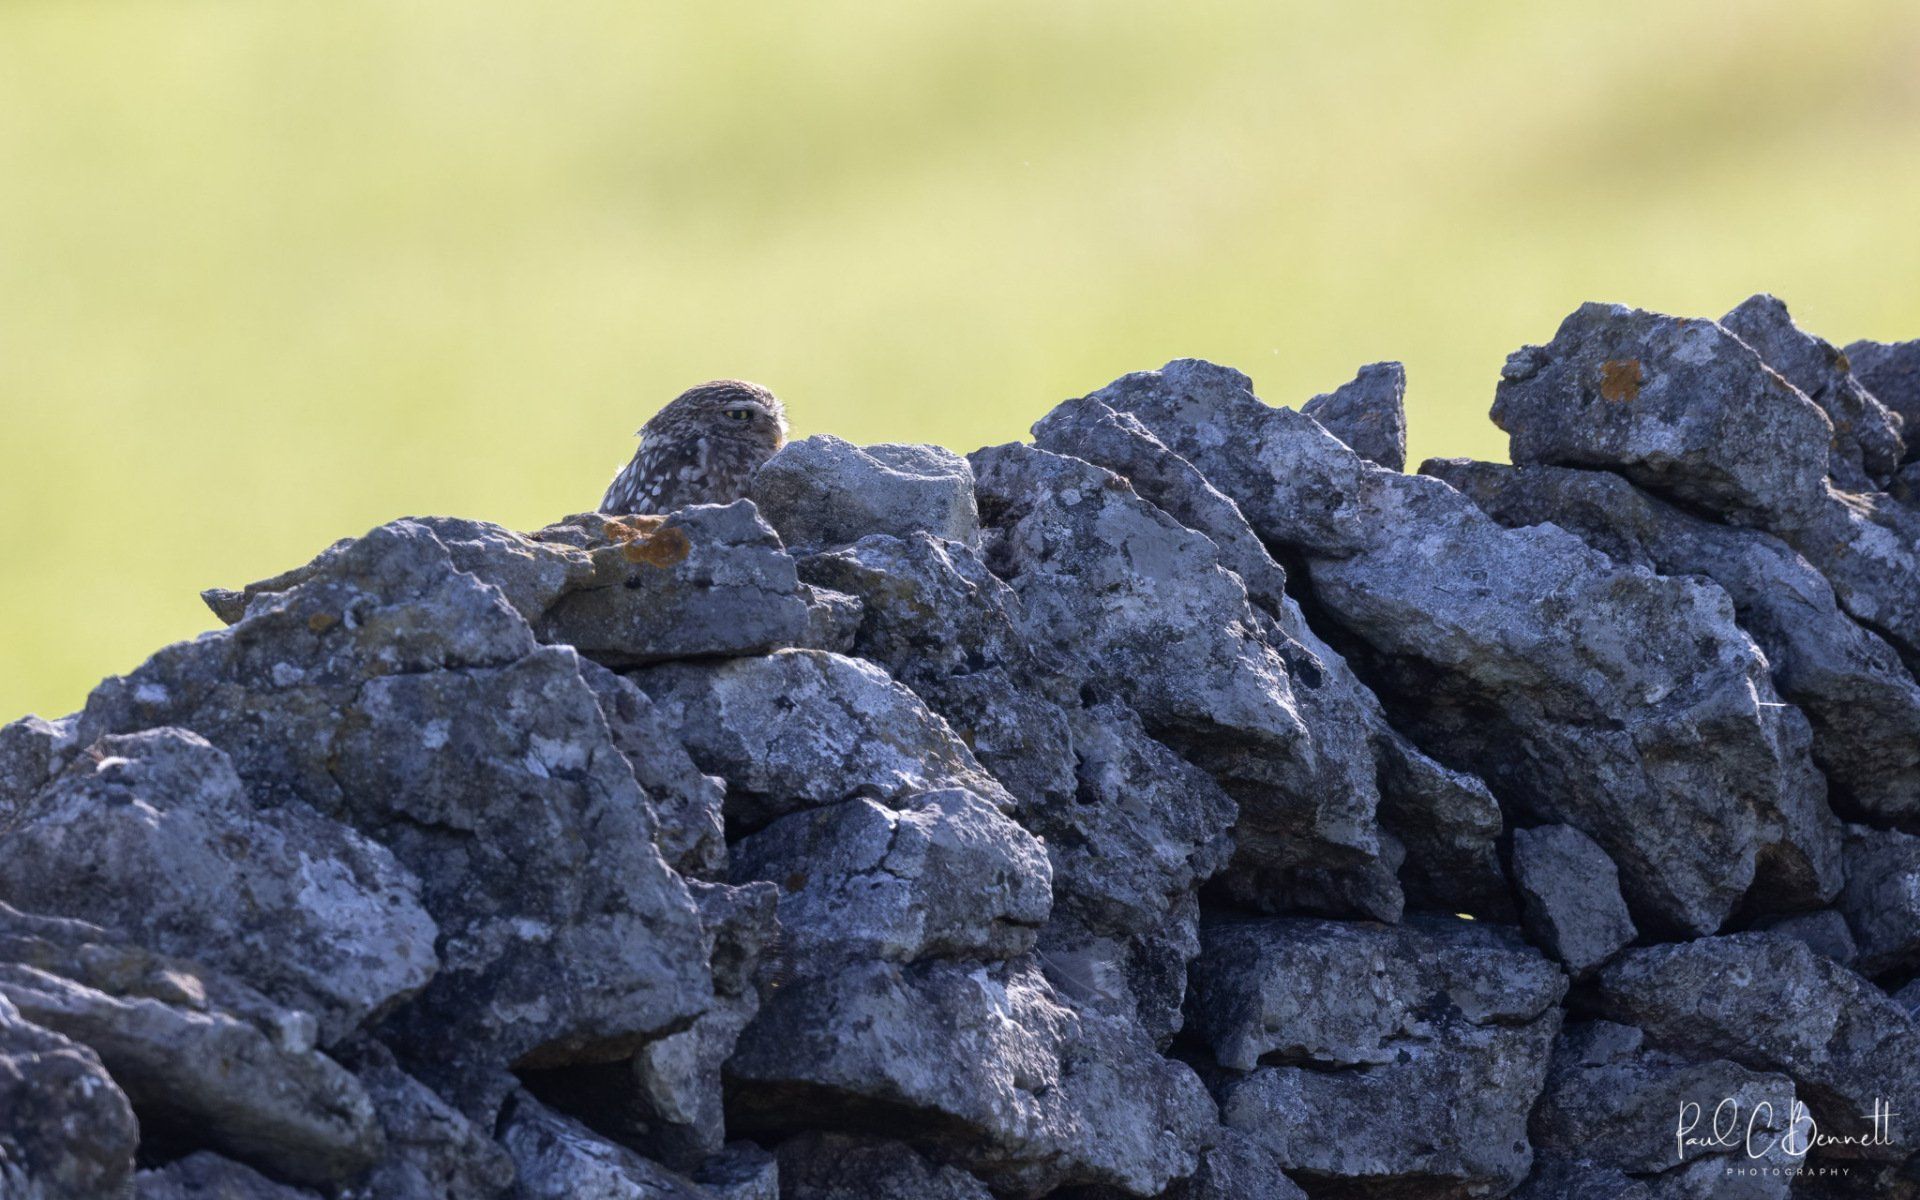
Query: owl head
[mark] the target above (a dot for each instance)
(727, 410)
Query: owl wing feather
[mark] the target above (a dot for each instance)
(665, 474)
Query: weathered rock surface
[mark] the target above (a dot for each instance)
(1891, 371)
(153, 833)
(1368, 413)
(65, 1129)
(825, 1166)
(1866, 443)
(1415, 1054)
(203, 1059)
(821, 492)
(1187, 806)
(1570, 896)
(1863, 705)
(1509, 656)
(1771, 1004)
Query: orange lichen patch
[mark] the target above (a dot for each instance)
(669, 547)
(621, 530)
(1620, 380)
(320, 622)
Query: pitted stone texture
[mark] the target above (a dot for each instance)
(1697, 417)
(940, 623)
(1446, 820)
(432, 1152)
(1394, 1056)
(1585, 693)
(1771, 1004)
(204, 1059)
(65, 1129)
(1376, 988)
(1678, 405)
(1368, 413)
(689, 829)
(1157, 622)
(1891, 371)
(1867, 442)
(1615, 1104)
(821, 492)
(1882, 899)
(1570, 896)
(708, 579)
(32, 751)
(801, 729)
(397, 694)
(152, 834)
(981, 1066)
(205, 1176)
(558, 1158)
(1863, 705)
(1824, 932)
(943, 874)
(828, 1166)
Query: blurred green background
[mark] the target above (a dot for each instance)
(272, 273)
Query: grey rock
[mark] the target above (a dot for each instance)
(944, 626)
(558, 1158)
(65, 1129)
(821, 492)
(829, 1166)
(1824, 932)
(1868, 547)
(1882, 899)
(986, 1063)
(153, 834)
(1509, 657)
(205, 1176)
(741, 1171)
(1613, 1103)
(833, 620)
(200, 1056)
(1157, 622)
(1446, 820)
(1698, 417)
(801, 729)
(1369, 414)
(1570, 896)
(432, 1151)
(1678, 405)
(1867, 442)
(1771, 1004)
(1556, 1178)
(1891, 371)
(1377, 987)
(1863, 705)
(31, 751)
(944, 873)
(708, 579)
(1237, 1167)
(404, 697)
(1424, 1048)
(1131, 829)
(689, 829)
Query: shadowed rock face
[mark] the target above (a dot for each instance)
(1185, 806)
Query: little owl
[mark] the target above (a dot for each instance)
(703, 448)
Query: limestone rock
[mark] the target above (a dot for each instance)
(825, 1166)
(1570, 896)
(152, 834)
(821, 492)
(1507, 657)
(65, 1129)
(1891, 371)
(1369, 414)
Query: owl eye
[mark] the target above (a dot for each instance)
(739, 414)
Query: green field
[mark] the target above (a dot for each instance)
(274, 273)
